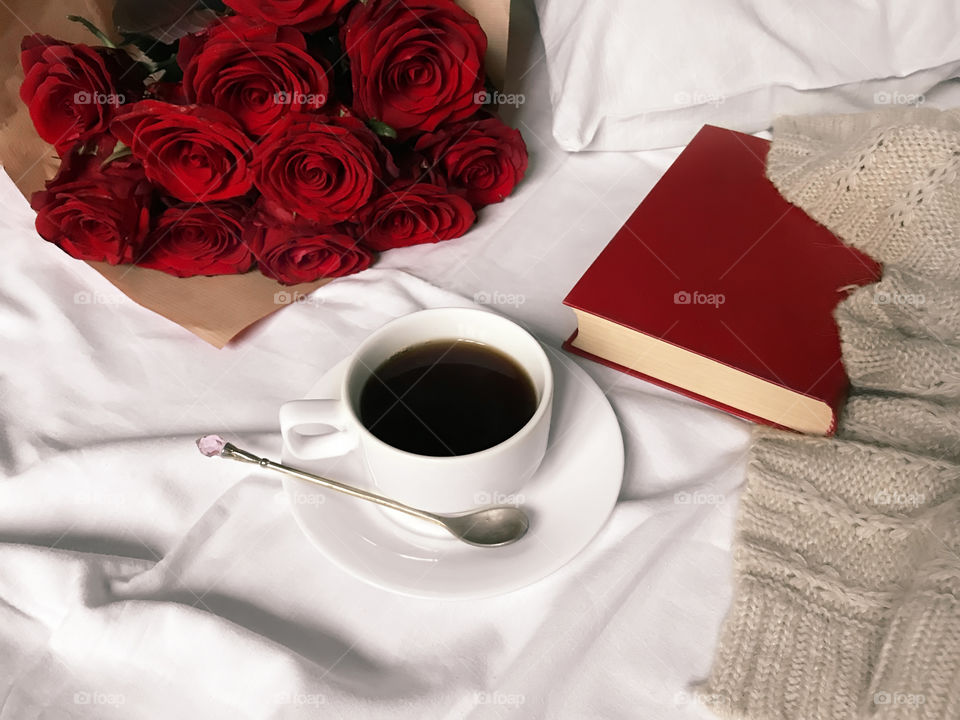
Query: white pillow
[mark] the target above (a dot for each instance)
(639, 74)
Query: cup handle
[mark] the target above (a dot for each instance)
(311, 446)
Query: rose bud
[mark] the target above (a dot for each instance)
(194, 152)
(70, 90)
(414, 64)
(255, 71)
(96, 212)
(322, 169)
(414, 213)
(199, 239)
(305, 15)
(483, 158)
(303, 251)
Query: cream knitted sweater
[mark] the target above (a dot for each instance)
(848, 550)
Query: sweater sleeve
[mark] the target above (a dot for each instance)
(847, 555)
(825, 554)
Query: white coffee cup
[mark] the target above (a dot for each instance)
(314, 429)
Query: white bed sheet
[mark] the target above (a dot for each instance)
(139, 580)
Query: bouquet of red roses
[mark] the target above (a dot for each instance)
(299, 138)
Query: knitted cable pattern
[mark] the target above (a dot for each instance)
(847, 556)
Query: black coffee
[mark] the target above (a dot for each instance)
(447, 397)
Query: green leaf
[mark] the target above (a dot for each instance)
(119, 151)
(100, 34)
(381, 128)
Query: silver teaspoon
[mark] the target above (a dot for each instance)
(491, 526)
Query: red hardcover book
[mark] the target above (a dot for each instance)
(720, 289)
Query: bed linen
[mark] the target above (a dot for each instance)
(626, 75)
(140, 580)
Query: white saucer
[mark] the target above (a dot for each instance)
(569, 500)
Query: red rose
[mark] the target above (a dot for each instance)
(483, 158)
(302, 251)
(306, 15)
(70, 89)
(414, 63)
(255, 71)
(195, 153)
(94, 212)
(199, 240)
(414, 213)
(323, 169)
